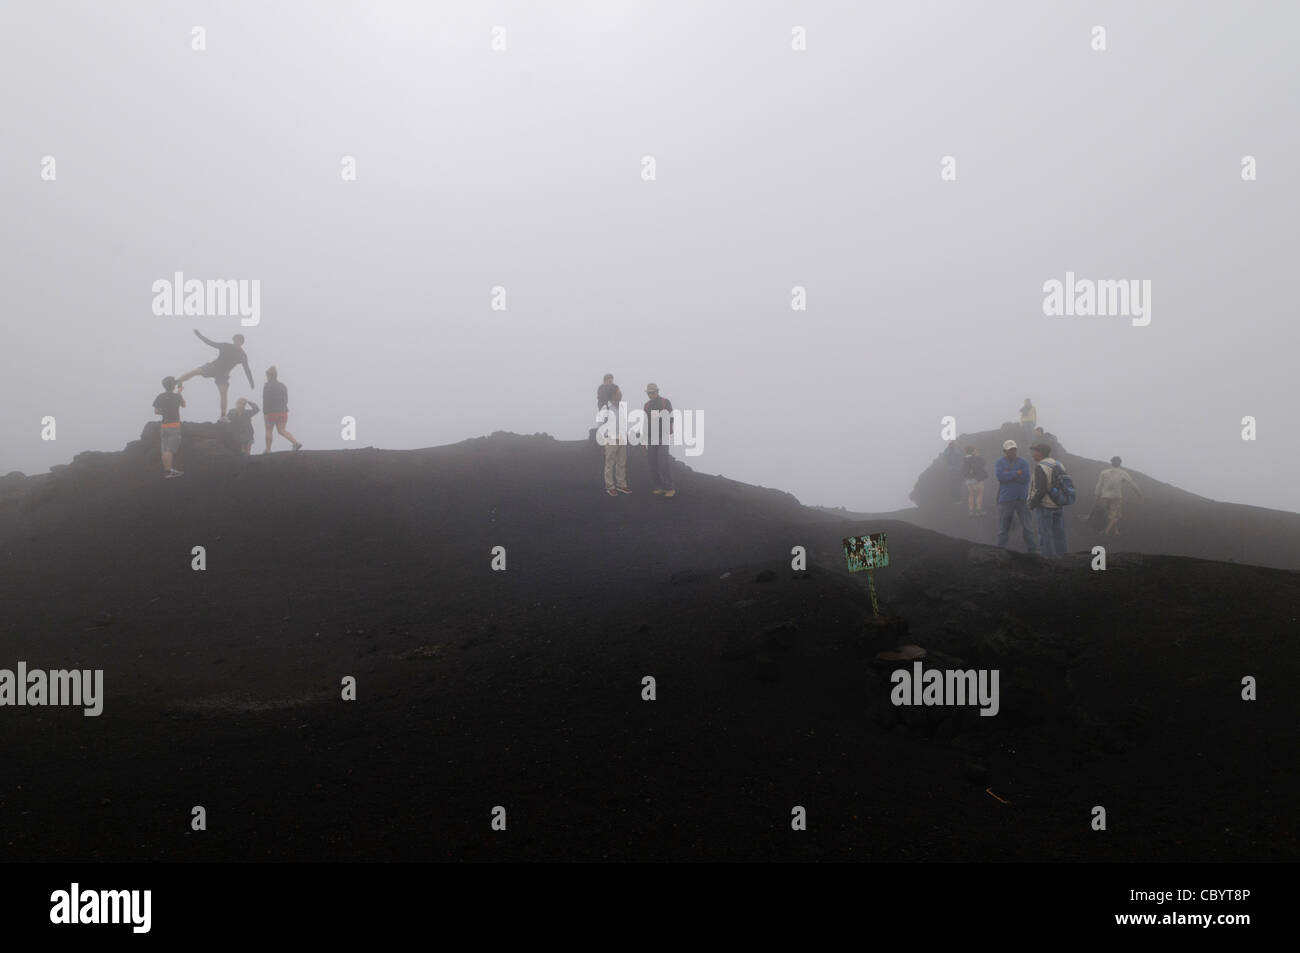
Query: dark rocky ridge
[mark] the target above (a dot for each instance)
(523, 688)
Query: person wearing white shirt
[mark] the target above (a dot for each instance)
(1110, 493)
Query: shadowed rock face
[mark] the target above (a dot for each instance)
(200, 442)
(1120, 687)
(93, 474)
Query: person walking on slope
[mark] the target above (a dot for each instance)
(658, 410)
(241, 420)
(1051, 514)
(169, 404)
(614, 442)
(275, 409)
(1110, 493)
(975, 472)
(1028, 419)
(1013, 489)
(229, 356)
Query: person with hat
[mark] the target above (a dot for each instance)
(1051, 515)
(659, 409)
(1013, 492)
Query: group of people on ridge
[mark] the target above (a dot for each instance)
(1043, 488)
(608, 396)
(274, 409)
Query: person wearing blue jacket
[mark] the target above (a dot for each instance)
(1013, 495)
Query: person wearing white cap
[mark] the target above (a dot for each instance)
(658, 410)
(1013, 495)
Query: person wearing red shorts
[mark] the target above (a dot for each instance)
(275, 409)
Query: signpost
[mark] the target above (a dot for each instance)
(865, 553)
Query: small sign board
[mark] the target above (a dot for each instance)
(864, 553)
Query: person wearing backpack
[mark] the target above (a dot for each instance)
(975, 472)
(1051, 492)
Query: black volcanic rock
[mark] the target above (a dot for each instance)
(523, 686)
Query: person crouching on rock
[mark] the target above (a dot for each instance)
(169, 404)
(241, 419)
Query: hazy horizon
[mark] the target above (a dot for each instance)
(775, 168)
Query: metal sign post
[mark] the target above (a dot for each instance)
(865, 553)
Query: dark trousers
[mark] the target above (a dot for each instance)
(1020, 510)
(661, 466)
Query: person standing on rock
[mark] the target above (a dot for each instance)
(975, 472)
(1051, 514)
(615, 443)
(1110, 493)
(169, 404)
(659, 440)
(1028, 419)
(229, 356)
(1013, 491)
(275, 409)
(241, 419)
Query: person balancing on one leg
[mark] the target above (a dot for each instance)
(169, 404)
(275, 408)
(229, 356)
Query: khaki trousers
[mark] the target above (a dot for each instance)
(616, 466)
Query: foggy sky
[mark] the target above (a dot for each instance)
(775, 168)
